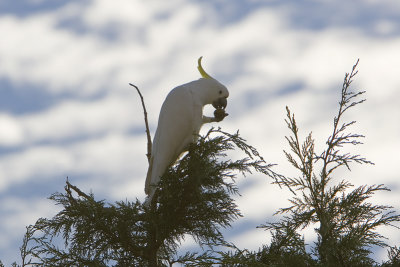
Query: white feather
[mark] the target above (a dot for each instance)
(179, 123)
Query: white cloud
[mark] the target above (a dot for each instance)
(73, 119)
(156, 46)
(103, 13)
(53, 59)
(252, 239)
(34, 164)
(19, 214)
(107, 156)
(10, 131)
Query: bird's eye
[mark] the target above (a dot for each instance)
(220, 92)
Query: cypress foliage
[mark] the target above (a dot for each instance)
(194, 198)
(346, 223)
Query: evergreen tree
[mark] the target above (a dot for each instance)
(394, 257)
(345, 222)
(194, 198)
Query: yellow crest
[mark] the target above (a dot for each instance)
(203, 73)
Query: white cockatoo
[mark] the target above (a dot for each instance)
(179, 123)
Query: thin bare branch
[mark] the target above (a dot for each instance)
(149, 144)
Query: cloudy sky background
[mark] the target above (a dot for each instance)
(66, 108)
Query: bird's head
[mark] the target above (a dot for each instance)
(218, 92)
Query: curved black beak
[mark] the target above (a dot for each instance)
(220, 103)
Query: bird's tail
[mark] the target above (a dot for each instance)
(148, 177)
(149, 198)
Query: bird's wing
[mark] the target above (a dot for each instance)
(174, 133)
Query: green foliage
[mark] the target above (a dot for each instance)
(346, 222)
(92, 233)
(394, 257)
(194, 198)
(287, 248)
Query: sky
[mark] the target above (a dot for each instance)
(66, 108)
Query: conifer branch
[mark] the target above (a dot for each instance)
(347, 222)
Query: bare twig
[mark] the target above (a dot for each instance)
(69, 186)
(147, 124)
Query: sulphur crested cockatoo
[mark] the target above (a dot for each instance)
(179, 123)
